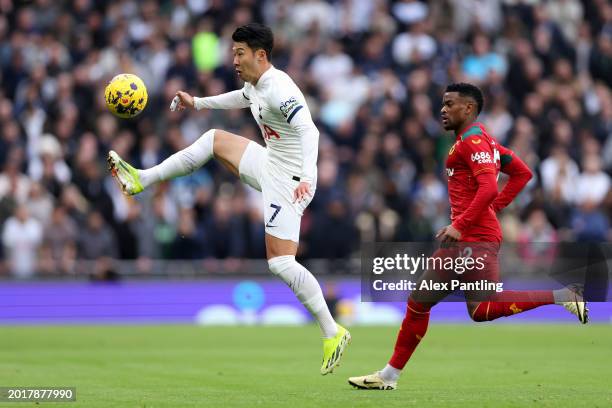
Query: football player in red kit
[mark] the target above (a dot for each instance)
(473, 165)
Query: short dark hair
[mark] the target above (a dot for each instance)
(469, 90)
(256, 36)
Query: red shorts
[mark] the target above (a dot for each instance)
(467, 262)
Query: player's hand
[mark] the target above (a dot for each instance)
(301, 191)
(181, 101)
(448, 234)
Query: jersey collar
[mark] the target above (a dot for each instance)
(263, 77)
(460, 134)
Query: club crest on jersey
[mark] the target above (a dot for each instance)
(287, 106)
(482, 158)
(450, 172)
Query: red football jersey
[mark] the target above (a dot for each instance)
(474, 156)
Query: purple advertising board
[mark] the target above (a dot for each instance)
(217, 302)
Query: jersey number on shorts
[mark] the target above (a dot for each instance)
(277, 209)
(269, 132)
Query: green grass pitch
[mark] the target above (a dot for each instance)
(489, 365)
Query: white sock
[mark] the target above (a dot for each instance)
(307, 290)
(181, 163)
(562, 295)
(390, 373)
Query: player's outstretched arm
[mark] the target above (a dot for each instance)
(519, 174)
(230, 100)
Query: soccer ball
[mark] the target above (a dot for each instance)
(126, 95)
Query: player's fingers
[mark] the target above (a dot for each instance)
(186, 99)
(440, 232)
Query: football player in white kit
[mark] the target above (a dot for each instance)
(285, 171)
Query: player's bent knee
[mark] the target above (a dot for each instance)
(479, 312)
(229, 147)
(220, 140)
(278, 265)
(479, 319)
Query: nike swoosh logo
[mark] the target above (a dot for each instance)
(270, 226)
(369, 382)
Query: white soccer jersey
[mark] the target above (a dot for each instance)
(280, 110)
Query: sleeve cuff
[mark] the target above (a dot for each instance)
(198, 103)
(457, 225)
(306, 179)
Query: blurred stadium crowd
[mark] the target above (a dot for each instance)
(373, 72)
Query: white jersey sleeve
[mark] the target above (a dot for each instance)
(230, 100)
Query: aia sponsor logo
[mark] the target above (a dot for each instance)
(269, 132)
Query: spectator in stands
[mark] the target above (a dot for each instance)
(21, 238)
(483, 62)
(40, 203)
(97, 240)
(188, 243)
(60, 237)
(559, 174)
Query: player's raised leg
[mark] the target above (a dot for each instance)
(282, 263)
(510, 302)
(226, 147)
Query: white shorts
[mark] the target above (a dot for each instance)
(282, 217)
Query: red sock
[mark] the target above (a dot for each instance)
(412, 331)
(511, 302)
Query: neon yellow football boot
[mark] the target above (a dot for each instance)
(126, 175)
(333, 349)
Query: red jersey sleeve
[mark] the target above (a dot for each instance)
(519, 174)
(478, 155)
